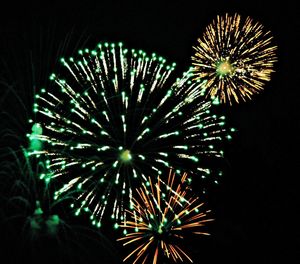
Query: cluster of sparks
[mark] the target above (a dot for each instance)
(116, 116)
(235, 57)
(162, 213)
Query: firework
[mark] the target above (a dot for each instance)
(162, 214)
(235, 58)
(116, 115)
(34, 225)
(31, 199)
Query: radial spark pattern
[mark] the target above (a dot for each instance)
(235, 57)
(113, 117)
(163, 213)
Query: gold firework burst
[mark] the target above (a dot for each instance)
(235, 57)
(161, 215)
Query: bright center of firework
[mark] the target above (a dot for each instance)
(224, 68)
(125, 156)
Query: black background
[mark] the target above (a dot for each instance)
(257, 201)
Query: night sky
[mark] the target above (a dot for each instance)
(256, 202)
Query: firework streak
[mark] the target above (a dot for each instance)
(114, 116)
(162, 215)
(235, 57)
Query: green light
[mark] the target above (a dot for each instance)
(224, 68)
(194, 159)
(38, 210)
(47, 180)
(229, 137)
(35, 144)
(125, 156)
(216, 101)
(160, 231)
(115, 164)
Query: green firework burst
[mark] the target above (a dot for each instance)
(112, 117)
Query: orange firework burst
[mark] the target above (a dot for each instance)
(235, 58)
(161, 215)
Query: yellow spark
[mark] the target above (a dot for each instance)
(235, 57)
